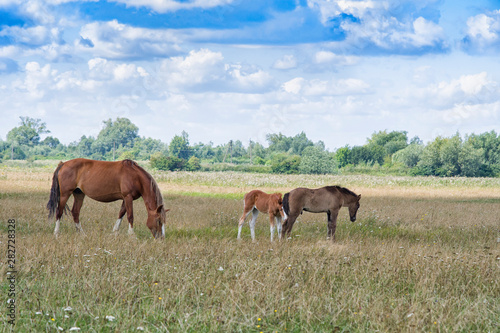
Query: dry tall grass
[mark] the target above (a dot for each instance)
(428, 261)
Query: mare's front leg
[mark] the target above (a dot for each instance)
(120, 218)
(75, 211)
(287, 226)
(129, 206)
(332, 223)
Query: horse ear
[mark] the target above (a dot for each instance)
(359, 197)
(166, 210)
(158, 210)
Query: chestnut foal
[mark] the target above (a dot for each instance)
(257, 201)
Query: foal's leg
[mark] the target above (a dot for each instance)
(120, 218)
(246, 211)
(75, 211)
(255, 213)
(278, 225)
(271, 223)
(129, 206)
(332, 223)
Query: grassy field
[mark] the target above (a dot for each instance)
(423, 256)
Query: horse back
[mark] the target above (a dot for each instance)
(100, 180)
(262, 201)
(313, 200)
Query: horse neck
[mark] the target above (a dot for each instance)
(149, 193)
(347, 199)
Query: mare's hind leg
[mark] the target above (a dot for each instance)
(129, 206)
(246, 211)
(77, 205)
(120, 217)
(332, 223)
(61, 206)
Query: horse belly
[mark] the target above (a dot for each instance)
(108, 197)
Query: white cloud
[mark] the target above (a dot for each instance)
(373, 23)
(205, 70)
(286, 62)
(470, 90)
(115, 40)
(316, 87)
(163, 6)
(482, 27)
(37, 35)
(483, 33)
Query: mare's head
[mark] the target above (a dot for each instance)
(353, 207)
(156, 221)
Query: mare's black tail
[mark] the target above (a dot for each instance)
(55, 193)
(286, 206)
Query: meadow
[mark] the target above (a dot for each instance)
(423, 256)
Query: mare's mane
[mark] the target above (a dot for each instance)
(342, 190)
(153, 184)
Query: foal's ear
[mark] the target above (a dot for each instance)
(359, 197)
(158, 210)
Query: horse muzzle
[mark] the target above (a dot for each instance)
(353, 219)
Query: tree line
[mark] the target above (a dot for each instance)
(387, 152)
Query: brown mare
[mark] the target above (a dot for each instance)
(257, 201)
(327, 200)
(106, 182)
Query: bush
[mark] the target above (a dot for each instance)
(284, 163)
(317, 161)
(193, 164)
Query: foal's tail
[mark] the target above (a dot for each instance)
(286, 205)
(55, 193)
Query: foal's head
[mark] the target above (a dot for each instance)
(353, 207)
(277, 201)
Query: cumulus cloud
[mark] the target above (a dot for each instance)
(473, 89)
(483, 33)
(288, 61)
(119, 41)
(205, 70)
(317, 87)
(379, 27)
(32, 36)
(163, 6)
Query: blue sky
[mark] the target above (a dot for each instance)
(238, 70)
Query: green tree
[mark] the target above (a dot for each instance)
(430, 161)
(342, 156)
(471, 161)
(284, 163)
(299, 143)
(448, 154)
(28, 133)
(409, 156)
(193, 164)
(278, 143)
(120, 133)
(314, 160)
(179, 146)
(51, 142)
